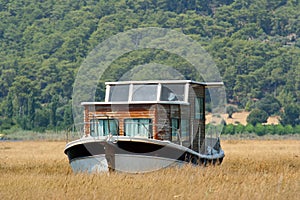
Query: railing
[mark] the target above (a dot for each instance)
(165, 132)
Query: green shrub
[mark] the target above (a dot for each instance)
(260, 129)
(249, 128)
(269, 129)
(297, 129)
(239, 128)
(229, 129)
(279, 129)
(288, 129)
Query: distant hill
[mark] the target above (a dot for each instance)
(254, 43)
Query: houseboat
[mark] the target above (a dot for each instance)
(143, 126)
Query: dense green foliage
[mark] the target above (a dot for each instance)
(255, 44)
(290, 115)
(257, 116)
(269, 104)
(271, 129)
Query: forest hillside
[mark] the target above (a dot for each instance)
(254, 43)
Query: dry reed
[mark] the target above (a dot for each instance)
(251, 170)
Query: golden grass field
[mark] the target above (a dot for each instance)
(252, 169)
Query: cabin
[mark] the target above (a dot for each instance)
(172, 110)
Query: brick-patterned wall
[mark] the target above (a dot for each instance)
(120, 112)
(86, 120)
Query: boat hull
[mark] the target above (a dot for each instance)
(87, 155)
(132, 155)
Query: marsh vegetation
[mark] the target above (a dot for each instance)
(252, 169)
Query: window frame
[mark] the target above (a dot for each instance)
(199, 108)
(149, 131)
(175, 127)
(174, 90)
(140, 88)
(114, 95)
(95, 125)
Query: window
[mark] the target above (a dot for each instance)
(180, 129)
(138, 128)
(144, 92)
(118, 93)
(172, 92)
(104, 127)
(184, 129)
(199, 108)
(175, 129)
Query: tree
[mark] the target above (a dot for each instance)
(31, 112)
(41, 121)
(230, 110)
(290, 115)
(257, 117)
(9, 107)
(269, 104)
(53, 108)
(68, 117)
(255, 44)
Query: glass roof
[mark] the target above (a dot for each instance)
(147, 92)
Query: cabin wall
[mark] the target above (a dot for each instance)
(164, 127)
(163, 122)
(86, 120)
(197, 133)
(119, 112)
(192, 134)
(161, 115)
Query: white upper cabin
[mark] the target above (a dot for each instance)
(151, 92)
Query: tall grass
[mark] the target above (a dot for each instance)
(50, 135)
(252, 169)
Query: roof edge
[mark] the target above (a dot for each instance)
(209, 84)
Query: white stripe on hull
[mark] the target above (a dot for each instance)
(91, 164)
(131, 163)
